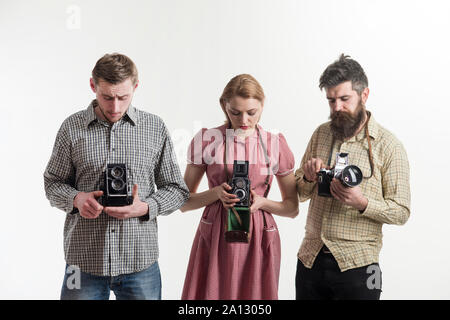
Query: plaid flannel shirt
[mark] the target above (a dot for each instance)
(84, 145)
(354, 238)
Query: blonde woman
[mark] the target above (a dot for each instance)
(220, 268)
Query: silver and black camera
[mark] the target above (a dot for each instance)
(240, 183)
(349, 175)
(116, 187)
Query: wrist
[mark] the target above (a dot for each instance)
(306, 180)
(363, 204)
(143, 208)
(77, 198)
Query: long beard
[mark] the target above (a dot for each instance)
(344, 125)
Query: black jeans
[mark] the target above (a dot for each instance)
(325, 281)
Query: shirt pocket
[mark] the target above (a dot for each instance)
(206, 226)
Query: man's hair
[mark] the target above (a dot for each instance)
(115, 68)
(342, 70)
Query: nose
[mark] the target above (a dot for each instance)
(244, 119)
(115, 105)
(337, 106)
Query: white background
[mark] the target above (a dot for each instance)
(186, 52)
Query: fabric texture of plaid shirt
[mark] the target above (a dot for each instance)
(84, 145)
(355, 238)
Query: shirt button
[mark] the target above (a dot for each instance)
(113, 149)
(113, 230)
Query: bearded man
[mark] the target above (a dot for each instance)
(339, 255)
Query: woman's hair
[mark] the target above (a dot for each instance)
(244, 86)
(115, 68)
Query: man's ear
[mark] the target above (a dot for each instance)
(365, 95)
(92, 83)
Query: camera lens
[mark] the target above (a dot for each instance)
(117, 184)
(351, 176)
(240, 194)
(240, 183)
(117, 172)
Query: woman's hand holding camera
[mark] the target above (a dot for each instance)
(228, 199)
(257, 201)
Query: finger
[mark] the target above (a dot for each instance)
(308, 169)
(92, 203)
(97, 194)
(336, 192)
(134, 192)
(115, 212)
(339, 186)
(228, 195)
(226, 186)
(88, 213)
(318, 165)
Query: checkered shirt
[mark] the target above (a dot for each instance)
(84, 145)
(355, 238)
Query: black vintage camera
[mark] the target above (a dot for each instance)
(116, 187)
(349, 175)
(238, 220)
(240, 183)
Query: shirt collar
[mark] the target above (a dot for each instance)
(130, 115)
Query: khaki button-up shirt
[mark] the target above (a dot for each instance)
(355, 238)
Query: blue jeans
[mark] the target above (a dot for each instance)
(142, 285)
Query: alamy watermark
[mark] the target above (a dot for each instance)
(374, 280)
(73, 21)
(74, 277)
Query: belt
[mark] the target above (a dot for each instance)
(325, 249)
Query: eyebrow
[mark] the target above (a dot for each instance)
(344, 96)
(240, 111)
(108, 96)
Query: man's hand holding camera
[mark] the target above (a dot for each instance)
(87, 204)
(311, 168)
(350, 196)
(137, 209)
(89, 207)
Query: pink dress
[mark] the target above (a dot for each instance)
(219, 270)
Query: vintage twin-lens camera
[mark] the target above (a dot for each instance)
(238, 220)
(116, 187)
(349, 175)
(240, 183)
